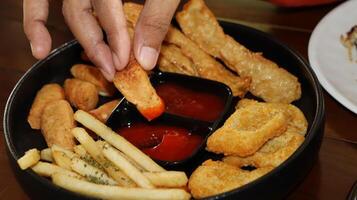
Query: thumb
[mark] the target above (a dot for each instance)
(151, 29)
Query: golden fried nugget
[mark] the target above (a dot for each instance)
(167, 66)
(103, 112)
(82, 94)
(298, 122)
(93, 75)
(48, 93)
(269, 81)
(174, 55)
(206, 66)
(273, 153)
(247, 130)
(56, 123)
(135, 85)
(215, 177)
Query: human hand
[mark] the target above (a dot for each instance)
(150, 30)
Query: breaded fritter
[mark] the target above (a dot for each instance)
(134, 84)
(215, 177)
(81, 94)
(48, 93)
(269, 81)
(206, 66)
(103, 112)
(56, 123)
(93, 75)
(247, 130)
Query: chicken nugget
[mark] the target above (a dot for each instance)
(269, 81)
(215, 177)
(134, 84)
(103, 112)
(48, 93)
(56, 123)
(273, 153)
(82, 94)
(93, 75)
(247, 130)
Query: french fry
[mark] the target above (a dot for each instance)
(30, 158)
(68, 153)
(61, 159)
(167, 179)
(47, 170)
(124, 165)
(117, 141)
(46, 155)
(94, 151)
(91, 173)
(115, 192)
(84, 155)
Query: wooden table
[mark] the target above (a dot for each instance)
(336, 169)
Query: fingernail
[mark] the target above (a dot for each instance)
(148, 57)
(31, 47)
(107, 75)
(117, 62)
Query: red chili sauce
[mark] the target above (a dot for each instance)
(162, 142)
(190, 103)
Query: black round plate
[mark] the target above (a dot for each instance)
(55, 68)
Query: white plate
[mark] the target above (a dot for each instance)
(328, 57)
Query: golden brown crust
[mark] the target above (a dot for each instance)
(271, 83)
(247, 130)
(135, 85)
(215, 177)
(103, 112)
(81, 94)
(56, 123)
(48, 93)
(93, 75)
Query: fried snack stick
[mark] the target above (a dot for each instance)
(103, 112)
(247, 130)
(206, 66)
(135, 85)
(93, 75)
(269, 82)
(173, 54)
(48, 93)
(82, 94)
(56, 124)
(215, 177)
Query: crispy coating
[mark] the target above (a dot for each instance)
(269, 81)
(173, 54)
(93, 75)
(48, 93)
(135, 85)
(247, 130)
(56, 123)
(277, 149)
(215, 177)
(298, 122)
(166, 66)
(103, 112)
(276, 152)
(82, 94)
(205, 65)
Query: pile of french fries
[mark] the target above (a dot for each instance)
(111, 168)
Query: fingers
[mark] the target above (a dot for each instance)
(111, 17)
(84, 26)
(151, 29)
(35, 17)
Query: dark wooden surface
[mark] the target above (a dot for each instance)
(336, 169)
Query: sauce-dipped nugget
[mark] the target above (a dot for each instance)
(94, 76)
(48, 93)
(56, 123)
(81, 94)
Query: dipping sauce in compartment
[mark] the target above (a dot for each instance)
(162, 142)
(186, 102)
